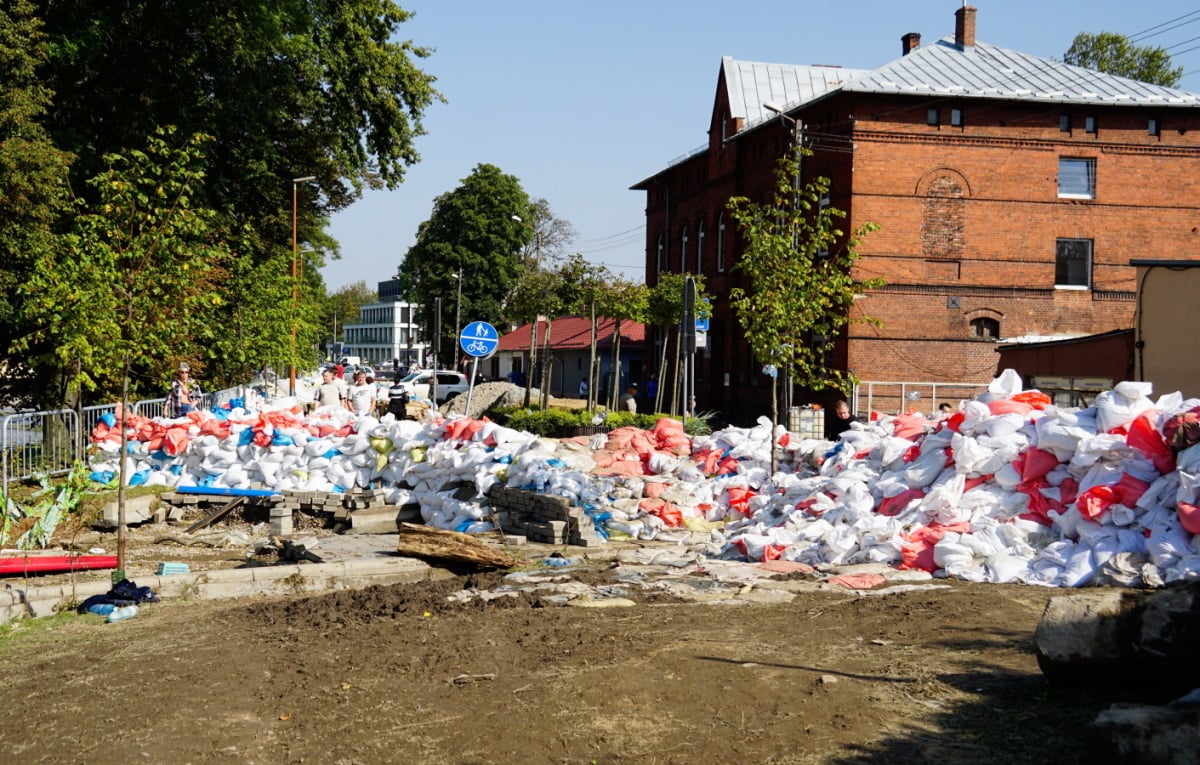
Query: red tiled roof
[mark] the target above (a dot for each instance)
(574, 333)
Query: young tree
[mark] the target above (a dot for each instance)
(622, 301)
(1113, 53)
(135, 278)
(799, 268)
(665, 311)
(471, 232)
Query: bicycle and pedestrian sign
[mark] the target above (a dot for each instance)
(479, 339)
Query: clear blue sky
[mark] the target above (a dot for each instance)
(580, 100)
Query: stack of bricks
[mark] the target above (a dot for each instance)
(546, 518)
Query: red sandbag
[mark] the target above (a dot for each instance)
(1189, 516)
(739, 499)
(893, 506)
(1127, 491)
(858, 581)
(669, 513)
(1144, 437)
(909, 425)
(1036, 463)
(1008, 406)
(1035, 398)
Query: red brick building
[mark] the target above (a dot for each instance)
(1012, 192)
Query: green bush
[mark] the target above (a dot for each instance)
(555, 422)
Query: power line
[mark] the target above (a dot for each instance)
(1151, 33)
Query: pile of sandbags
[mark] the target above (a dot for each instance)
(1009, 489)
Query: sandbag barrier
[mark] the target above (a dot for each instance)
(1009, 489)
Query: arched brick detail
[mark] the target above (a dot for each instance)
(943, 219)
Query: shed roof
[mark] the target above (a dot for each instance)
(574, 333)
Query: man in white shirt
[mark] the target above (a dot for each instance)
(361, 395)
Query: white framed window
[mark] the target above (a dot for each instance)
(721, 242)
(822, 205)
(700, 248)
(1076, 178)
(1073, 263)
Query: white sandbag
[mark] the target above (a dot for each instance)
(1122, 404)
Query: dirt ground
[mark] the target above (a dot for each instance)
(401, 674)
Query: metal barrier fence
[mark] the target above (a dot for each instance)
(51, 441)
(38, 442)
(896, 397)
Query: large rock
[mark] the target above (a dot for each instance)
(1134, 733)
(1141, 639)
(137, 510)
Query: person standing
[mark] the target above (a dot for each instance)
(651, 392)
(180, 399)
(628, 400)
(398, 399)
(583, 389)
(329, 392)
(360, 398)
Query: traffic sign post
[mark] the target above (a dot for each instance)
(478, 340)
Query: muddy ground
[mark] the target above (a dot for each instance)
(400, 674)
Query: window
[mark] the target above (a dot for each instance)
(823, 205)
(658, 257)
(699, 248)
(1064, 123)
(956, 117)
(931, 116)
(1073, 263)
(683, 243)
(985, 326)
(721, 242)
(1153, 128)
(1076, 178)
(1089, 124)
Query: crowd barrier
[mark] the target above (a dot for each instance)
(50, 442)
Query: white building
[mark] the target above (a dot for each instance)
(386, 330)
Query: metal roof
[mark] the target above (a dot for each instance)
(989, 71)
(750, 84)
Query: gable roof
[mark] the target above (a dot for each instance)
(574, 333)
(749, 84)
(989, 71)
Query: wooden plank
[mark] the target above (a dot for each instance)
(215, 515)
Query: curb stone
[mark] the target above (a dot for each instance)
(17, 602)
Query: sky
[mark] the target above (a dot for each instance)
(581, 100)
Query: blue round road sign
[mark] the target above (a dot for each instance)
(479, 339)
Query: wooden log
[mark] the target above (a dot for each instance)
(435, 544)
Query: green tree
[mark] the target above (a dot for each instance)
(327, 88)
(35, 191)
(135, 279)
(800, 288)
(1113, 53)
(471, 232)
(343, 306)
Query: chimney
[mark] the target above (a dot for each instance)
(910, 42)
(964, 27)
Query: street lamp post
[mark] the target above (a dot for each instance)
(295, 283)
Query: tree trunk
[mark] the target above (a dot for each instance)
(532, 359)
(547, 371)
(613, 390)
(122, 478)
(774, 419)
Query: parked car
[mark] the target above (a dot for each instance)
(449, 384)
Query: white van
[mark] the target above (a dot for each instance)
(350, 361)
